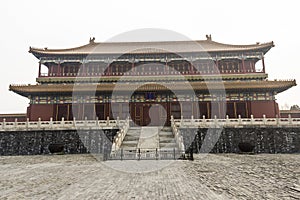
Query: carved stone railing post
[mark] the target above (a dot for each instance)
(240, 120)
(63, 122)
(107, 121)
(118, 121)
(39, 123)
(227, 119)
(215, 121)
(252, 120)
(97, 122)
(181, 120)
(51, 123)
(74, 122)
(16, 123)
(3, 124)
(172, 120)
(85, 121)
(290, 119)
(264, 119)
(27, 124)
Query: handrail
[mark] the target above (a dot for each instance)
(147, 73)
(178, 137)
(120, 136)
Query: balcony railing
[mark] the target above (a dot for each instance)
(151, 73)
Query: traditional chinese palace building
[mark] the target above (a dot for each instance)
(224, 79)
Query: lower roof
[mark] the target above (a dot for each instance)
(151, 78)
(240, 86)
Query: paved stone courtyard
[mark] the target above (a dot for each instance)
(216, 176)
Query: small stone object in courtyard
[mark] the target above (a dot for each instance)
(246, 147)
(56, 148)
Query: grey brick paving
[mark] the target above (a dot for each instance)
(226, 176)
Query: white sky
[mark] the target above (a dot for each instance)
(64, 24)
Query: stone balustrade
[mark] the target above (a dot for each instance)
(177, 135)
(61, 125)
(120, 135)
(238, 122)
(183, 122)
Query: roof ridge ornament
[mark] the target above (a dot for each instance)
(208, 37)
(92, 40)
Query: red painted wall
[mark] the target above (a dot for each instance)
(260, 108)
(245, 109)
(43, 111)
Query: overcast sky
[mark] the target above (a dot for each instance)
(64, 24)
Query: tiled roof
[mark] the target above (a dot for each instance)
(277, 86)
(152, 47)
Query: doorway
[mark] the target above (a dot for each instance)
(149, 114)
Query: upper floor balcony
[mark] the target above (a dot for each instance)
(149, 70)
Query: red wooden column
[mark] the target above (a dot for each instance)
(50, 71)
(39, 75)
(58, 69)
(189, 68)
(132, 67)
(243, 64)
(83, 68)
(62, 70)
(217, 66)
(263, 63)
(109, 69)
(166, 66)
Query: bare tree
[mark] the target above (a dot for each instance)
(295, 107)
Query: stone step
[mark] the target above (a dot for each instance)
(168, 149)
(125, 142)
(149, 137)
(133, 133)
(170, 145)
(166, 134)
(129, 149)
(131, 137)
(129, 146)
(168, 129)
(165, 140)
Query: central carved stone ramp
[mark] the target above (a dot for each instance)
(149, 139)
(131, 139)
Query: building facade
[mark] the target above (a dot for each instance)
(152, 81)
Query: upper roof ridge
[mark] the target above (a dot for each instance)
(180, 46)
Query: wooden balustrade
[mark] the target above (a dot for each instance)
(147, 73)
